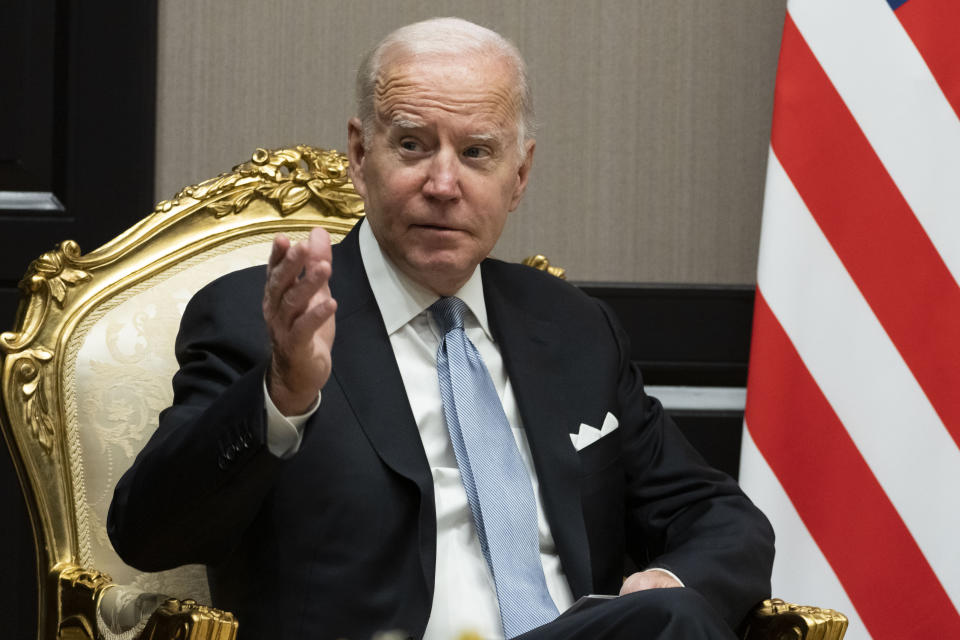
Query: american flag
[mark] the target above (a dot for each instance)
(853, 400)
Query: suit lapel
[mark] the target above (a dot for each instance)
(529, 345)
(366, 370)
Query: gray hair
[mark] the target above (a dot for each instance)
(444, 36)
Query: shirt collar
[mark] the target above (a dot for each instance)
(400, 298)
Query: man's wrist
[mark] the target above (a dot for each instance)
(284, 433)
(287, 402)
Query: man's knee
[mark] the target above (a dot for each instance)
(676, 613)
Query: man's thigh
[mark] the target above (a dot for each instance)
(674, 614)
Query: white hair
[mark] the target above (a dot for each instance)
(447, 36)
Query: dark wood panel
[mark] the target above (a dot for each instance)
(684, 334)
(9, 295)
(19, 586)
(28, 49)
(85, 121)
(77, 119)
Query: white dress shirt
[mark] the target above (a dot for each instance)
(464, 596)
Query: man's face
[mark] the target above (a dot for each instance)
(442, 168)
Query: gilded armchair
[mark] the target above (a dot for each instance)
(86, 371)
(87, 368)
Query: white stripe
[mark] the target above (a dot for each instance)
(801, 573)
(861, 374)
(898, 104)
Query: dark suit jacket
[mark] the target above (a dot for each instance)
(340, 539)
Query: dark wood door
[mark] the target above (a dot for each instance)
(77, 127)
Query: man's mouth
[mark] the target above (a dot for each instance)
(435, 227)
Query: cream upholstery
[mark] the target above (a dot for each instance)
(117, 383)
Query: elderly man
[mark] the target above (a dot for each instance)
(470, 448)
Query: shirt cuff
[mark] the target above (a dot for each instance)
(284, 433)
(668, 572)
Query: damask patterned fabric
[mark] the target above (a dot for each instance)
(119, 366)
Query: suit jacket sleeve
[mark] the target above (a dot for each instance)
(683, 515)
(202, 476)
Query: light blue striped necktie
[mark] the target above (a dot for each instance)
(493, 474)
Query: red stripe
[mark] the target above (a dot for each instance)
(884, 573)
(869, 224)
(934, 25)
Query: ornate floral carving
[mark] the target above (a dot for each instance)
(775, 618)
(540, 262)
(88, 578)
(289, 178)
(49, 277)
(53, 271)
(777, 605)
(187, 620)
(28, 376)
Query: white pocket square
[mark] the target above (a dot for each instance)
(588, 435)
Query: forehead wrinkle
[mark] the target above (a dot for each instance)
(417, 98)
(397, 93)
(485, 117)
(403, 123)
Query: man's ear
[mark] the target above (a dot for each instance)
(523, 174)
(357, 154)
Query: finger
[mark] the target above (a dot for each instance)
(316, 248)
(319, 245)
(298, 296)
(286, 292)
(278, 249)
(283, 275)
(307, 323)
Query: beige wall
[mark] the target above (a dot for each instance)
(655, 115)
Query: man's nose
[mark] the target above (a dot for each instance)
(443, 176)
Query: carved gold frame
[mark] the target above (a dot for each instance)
(287, 190)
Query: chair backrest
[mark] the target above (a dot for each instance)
(87, 368)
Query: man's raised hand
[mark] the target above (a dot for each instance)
(299, 313)
(649, 579)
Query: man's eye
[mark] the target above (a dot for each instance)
(410, 145)
(476, 152)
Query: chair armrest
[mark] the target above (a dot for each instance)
(778, 620)
(93, 606)
(200, 622)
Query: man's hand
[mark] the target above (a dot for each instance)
(299, 313)
(649, 579)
